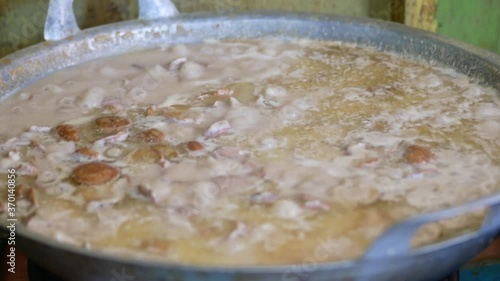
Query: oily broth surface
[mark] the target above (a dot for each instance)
(305, 145)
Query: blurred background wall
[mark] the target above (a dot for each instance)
(473, 21)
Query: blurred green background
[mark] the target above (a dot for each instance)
(476, 22)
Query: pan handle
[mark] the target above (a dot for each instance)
(61, 21)
(155, 9)
(396, 241)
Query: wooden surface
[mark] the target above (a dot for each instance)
(421, 14)
(492, 253)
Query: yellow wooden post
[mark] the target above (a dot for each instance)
(421, 14)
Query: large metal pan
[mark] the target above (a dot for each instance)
(389, 258)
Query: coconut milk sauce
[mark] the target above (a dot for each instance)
(246, 152)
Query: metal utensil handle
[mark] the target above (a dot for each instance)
(61, 21)
(396, 241)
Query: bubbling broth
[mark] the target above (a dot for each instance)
(248, 152)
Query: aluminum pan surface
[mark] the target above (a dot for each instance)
(26, 66)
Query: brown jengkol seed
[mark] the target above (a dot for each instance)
(89, 152)
(68, 132)
(167, 151)
(94, 173)
(194, 145)
(146, 155)
(108, 123)
(150, 111)
(152, 136)
(416, 154)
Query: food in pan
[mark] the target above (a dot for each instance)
(248, 152)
